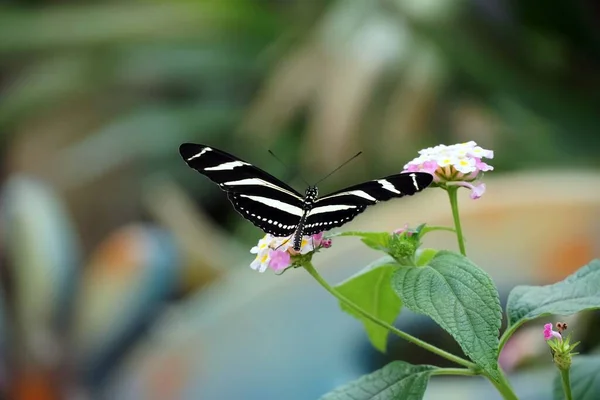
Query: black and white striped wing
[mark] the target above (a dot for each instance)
(340, 207)
(264, 200)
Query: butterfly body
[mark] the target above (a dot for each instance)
(278, 209)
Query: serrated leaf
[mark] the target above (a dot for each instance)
(397, 380)
(375, 240)
(371, 290)
(461, 298)
(585, 379)
(577, 292)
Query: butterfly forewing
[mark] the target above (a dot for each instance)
(256, 195)
(338, 208)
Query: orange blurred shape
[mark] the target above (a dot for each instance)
(34, 385)
(120, 253)
(566, 256)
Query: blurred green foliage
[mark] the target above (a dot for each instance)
(157, 73)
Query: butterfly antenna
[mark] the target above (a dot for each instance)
(338, 168)
(286, 166)
(277, 248)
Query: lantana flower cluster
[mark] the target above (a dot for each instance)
(455, 165)
(277, 252)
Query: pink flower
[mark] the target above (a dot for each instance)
(549, 333)
(277, 252)
(317, 238)
(403, 229)
(459, 164)
(279, 260)
(476, 190)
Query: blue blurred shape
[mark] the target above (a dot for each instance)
(127, 280)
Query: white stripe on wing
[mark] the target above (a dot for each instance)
(280, 205)
(227, 165)
(260, 182)
(200, 154)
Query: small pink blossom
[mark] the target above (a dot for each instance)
(279, 260)
(317, 238)
(483, 166)
(326, 243)
(403, 229)
(550, 333)
(476, 190)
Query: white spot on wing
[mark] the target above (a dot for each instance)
(388, 186)
(204, 150)
(275, 204)
(227, 165)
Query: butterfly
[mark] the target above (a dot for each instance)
(278, 209)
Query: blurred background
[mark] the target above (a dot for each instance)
(125, 274)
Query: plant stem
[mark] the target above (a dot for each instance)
(507, 334)
(454, 371)
(458, 360)
(566, 383)
(453, 196)
(503, 386)
(438, 228)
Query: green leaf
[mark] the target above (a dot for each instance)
(375, 240)
(397, 380)
(585, 379)
(577, 292)
(461, 298)
(371, 290)
(424, 256)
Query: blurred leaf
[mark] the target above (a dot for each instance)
(43, 251)
(147, 132)
(375, 240)
(585, 379)
(577, 292)
(47, 83)
(371, 290)
(60, 26)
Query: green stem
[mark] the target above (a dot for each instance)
(428, 229)
(458, 360)
(503, 386)
(566, 383)
(453, 195)
(454, 371)
(507, 334)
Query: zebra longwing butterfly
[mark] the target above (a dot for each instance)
(278, 209)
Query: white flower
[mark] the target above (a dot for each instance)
(457, 164)
(261, 262)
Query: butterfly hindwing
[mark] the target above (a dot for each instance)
(338, 208)
(256, 195)
(277, 219)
